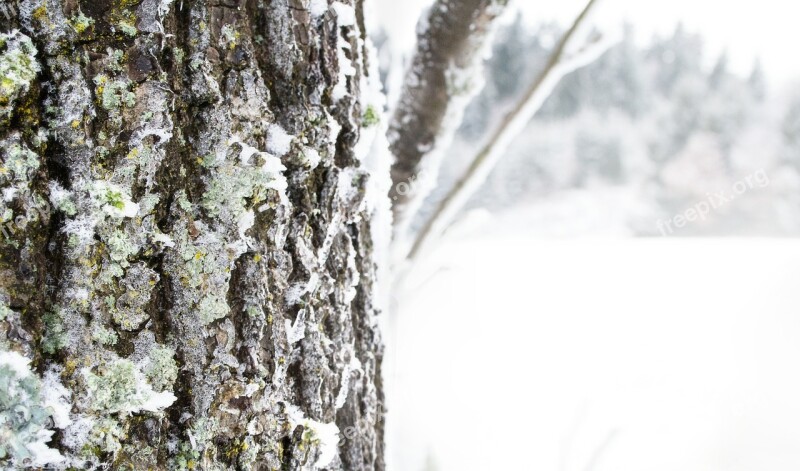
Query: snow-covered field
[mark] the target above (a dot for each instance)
(519, 353)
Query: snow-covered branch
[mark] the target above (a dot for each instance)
(442, 79)
(565, 59)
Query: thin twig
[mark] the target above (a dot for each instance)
(600, 451)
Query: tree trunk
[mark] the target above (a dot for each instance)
(187, 256)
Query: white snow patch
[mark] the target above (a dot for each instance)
(294, 293)
(372, 150)
(79, 294)
(16, 362)
(9, 194)
(345, 64)
(346, 68)
(252, 388)
(247, 221)
(312, 157)
(158, 401)
(43, 455)
(163, 239)
(247, 153)
(279, 141)
(339, 90)
(345, 14)
(345, 184)
(349, 369)
(318, 8)
(77, 433)
(82, 228)
(130, 209)
(56, 397)
(163, 7)
(103, 191)
(326, 435)
(297, 331)
(58, 194)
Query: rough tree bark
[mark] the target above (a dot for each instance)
(186, 257)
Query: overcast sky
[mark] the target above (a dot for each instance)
(747, 29)
(768, 29)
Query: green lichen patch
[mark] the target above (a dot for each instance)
(161, 369)
(120, 247)
(115, 389)
(119, 386)
(5, 312)
(229, 36)
(62, 199)
(129, 310)
(114, 93)
(104, 336)
(186, 458)
(18, 68)
(19, 163)
(113, 200)
(211, 308)
(128, 27)
(122, 17)
(24, 417)
(55, 336)
(371, 117)
(235, 187)
(105, 437)
(80, 22)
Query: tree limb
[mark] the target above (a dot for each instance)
(559, 64)
(438, 86)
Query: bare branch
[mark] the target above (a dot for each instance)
(559, 64)
(438, 86)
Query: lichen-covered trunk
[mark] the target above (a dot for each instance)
(186, 259)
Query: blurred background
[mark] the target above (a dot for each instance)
(621, 293)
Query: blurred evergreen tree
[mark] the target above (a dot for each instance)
(791, 134)
(757, 82)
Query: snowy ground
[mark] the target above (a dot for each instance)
(594, 354)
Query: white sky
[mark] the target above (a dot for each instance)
(768, 29)
(747, 29)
